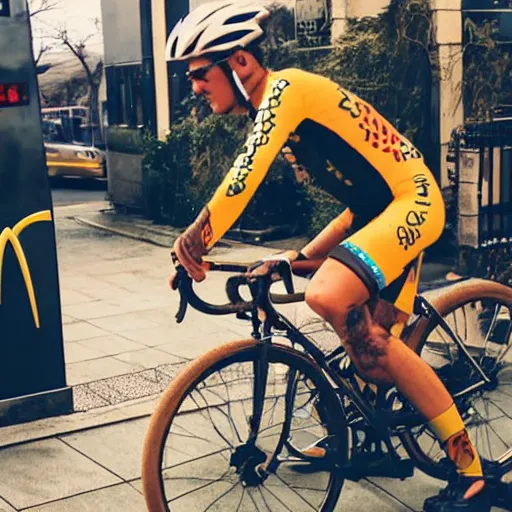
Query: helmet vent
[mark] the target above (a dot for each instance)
(240, 18)
(234, 36)
(173, 48)
(214, 12)
(193, 44)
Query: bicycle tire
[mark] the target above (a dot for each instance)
(446, 304)
(202, 368)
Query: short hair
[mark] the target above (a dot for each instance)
(256, 50)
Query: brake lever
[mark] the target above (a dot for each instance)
(180, 315)
(182, 309)
(285, 271)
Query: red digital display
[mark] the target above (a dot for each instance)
(13, 95)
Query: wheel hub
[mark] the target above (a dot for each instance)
(247, 460)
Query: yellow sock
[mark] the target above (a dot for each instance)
(453, 435)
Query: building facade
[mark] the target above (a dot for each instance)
(143, 89)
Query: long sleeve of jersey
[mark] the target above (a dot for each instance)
(278, 116)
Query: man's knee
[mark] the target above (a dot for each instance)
(333, 290)
(323, 304)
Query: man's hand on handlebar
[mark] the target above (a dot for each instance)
(190, 247)
(267, 266)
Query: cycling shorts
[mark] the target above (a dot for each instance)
(386, 253)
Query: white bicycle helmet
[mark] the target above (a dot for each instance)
(216, 27)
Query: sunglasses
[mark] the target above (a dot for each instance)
(200, 73)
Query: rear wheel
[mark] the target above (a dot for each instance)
(197, 453)
(480, 314)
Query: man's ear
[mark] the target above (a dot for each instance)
(240, 58)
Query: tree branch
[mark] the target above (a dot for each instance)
(77, 49)
(42, 50)
(39, 6)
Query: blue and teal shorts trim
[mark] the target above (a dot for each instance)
(361, 264)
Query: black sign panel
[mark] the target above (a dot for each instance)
(4, 8)
(32, 376)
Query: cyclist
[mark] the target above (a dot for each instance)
(395, 210)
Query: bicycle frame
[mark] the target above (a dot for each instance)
(265, 318)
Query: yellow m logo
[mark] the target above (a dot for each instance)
(11, 236)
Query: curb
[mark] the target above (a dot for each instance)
(120, 232)
(48, 428)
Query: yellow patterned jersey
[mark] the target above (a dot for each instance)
(331, 137)
(339, 142)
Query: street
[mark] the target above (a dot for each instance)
(66, 191)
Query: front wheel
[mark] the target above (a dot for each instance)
(198, 452)
(479, 312)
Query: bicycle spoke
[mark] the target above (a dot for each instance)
(191, 435)
(197, 459)
(486, 407)
(241, 500)
(490, 328)
(499, 408)
(277, 498)
(212, 422)
(506, 351)
(503, 392)
(496, 433)
(220, 497)
(434, 441)
(295, 491)
(200, 488)
(465, 324)
(228, 415)
(455, 324)
(264, 500)
(252, 499)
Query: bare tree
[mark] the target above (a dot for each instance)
(38, 6)
(43, 48)
(78, 47)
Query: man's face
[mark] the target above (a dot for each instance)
(213, 84)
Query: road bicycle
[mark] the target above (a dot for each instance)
(239, 427)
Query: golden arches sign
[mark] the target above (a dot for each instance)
(10, 235)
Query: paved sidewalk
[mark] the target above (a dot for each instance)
(98, 469)
(122, 347)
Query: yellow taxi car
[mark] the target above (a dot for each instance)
(74, 160)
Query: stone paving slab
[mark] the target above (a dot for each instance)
(148, 358)
(81, 331)
(122, 322)
(74, 352)
(412, 491)
(70, 297)
(48, 470)
(5, 507)
(117, 447)
(93, 310)
(118, 498)
(111, 345)
(96, 369)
